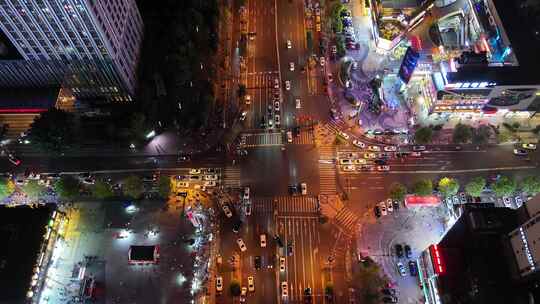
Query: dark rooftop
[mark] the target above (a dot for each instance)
(21, 231)
(142, 253)
(27, 99)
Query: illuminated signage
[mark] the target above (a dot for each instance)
(527, 249)
(436, 259)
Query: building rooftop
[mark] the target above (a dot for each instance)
(27, 100)
(142, 253)
(22, 230)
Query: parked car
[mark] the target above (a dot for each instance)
(520, 152)
(413, 268)
(377, 211)
(419, 148)
(359, 144)
(374, 148)
(382, 205)
(389, 205)
(399, 250)
(408, 251)
(528, 146)
(390, 148)
(507, 202)
(401, 269)
(241, 244)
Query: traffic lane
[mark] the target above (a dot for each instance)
(264, 25)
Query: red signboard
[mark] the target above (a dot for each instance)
(436, 259)
(422, 201)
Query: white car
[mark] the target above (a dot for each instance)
(370, 155)
(303, 187)
(195, 171)
(281, 264)
(349, 168)
(507, 202)
(382, 206)
(289, 136)
(276, 83)
(360, 161)
(390, 148)
(243, 292)
(227, 211)
(248, 99)
(212, 177)
(241, 244)
(291, 66)
(263, 240)
(519, 201)
(344, 135)
(389, 205)
(209, 183)
(455, 199)
(182, 185)
(463, 197)
(298, 104)
(416, 154)
(287, 85)
(276, 106)
(359, 144)
(289, 44)
(243, 116)
(383, 168)
(246, 193)
(401, 269)
(529, 146)
(251, 284)
(419, 148)
(374, 148)
(322, 61)
(219, 283)
(345, 161)
(284, 289)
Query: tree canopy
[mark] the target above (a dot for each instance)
(368, 280)
(102, 190)
(67, 187)
(504, 186)
(448, 186)
(475, 186)
(397, 191)
(462, 134)
(33, 189)
(531, 184)
(5, 188)
(53, 131)
(481, 135)
(164, 186)
(423, 135)
(133, 186)
(423, 187)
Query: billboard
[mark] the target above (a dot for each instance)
(409, 63)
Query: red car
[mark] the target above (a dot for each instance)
(14, 160)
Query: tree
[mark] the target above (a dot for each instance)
(369, 281)
(462, 134)
(235, 289)
(102, 190)
(504, 186)
(164, 186)
(448, 186)
(475, 186)
(481, 135)
(33, 189)
(531, 184)
(397, 191)
(423, 187)
(67, 187)
(5, 189)
(53, 131)
(137, 127)
(133, 186)
(424, 135)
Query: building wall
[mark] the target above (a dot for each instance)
(525, 240)
(90, 46)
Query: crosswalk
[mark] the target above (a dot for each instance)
(285, 205)
(262, 139)
(327, 171)
(327, 152)
(304, 138)
(335, 126)
(231, 177)
(346, 220)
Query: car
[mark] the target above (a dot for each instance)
(257, 262)
(333, 49)
(396, 205)
(219, 283)
(14, 160)
(380, 162)
(382, 206)
(276, 106)
(408, 252)
(89, 181)
(349, 168)
(383, 155)
(520, 152)
(276, 83)
(247, 209)
(298, 104)
(182, 185)
(194, 177)
(507, 202)
(277, 120)
(227, 211)
(194, 171)
(287, 85)
(528, 146)
(383, 168)
(236, 226)
(209, 184)
(262, 238)
(360, 161)
(359, 144)
(317, 11)
(271, 261)
(389, 300)
(251, 284)
(330, 78)
(303, 187)
(241, 244)
(374, 148)
(248, 100)
(211, 177)
(463, 197)
(401, 269)
(278, 240)
(284, 289)
(344, 135)
(345, 161)
(246, 193)
(322, 61)
(413, 268)
(519, 201)
(183, 158)
(289, 136)
(243, 116)
(291, 66)
(399, 250)
(419, 148)
(318, 27)
(243, 291)
(293, 189)
(281, 264)
(377, 211)
(388, 291)
(390, 148)
(289, 249)
(455, 199)
(289, 44)
(370, 155)
(308, 295)
(389, 205)
(416, 154)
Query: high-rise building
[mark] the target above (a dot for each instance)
(90, 47)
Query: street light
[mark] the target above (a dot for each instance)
(150, 134)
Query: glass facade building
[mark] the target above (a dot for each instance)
(88, 46)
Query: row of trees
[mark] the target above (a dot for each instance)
(447, 186)
(69, 187)
(461, 134)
